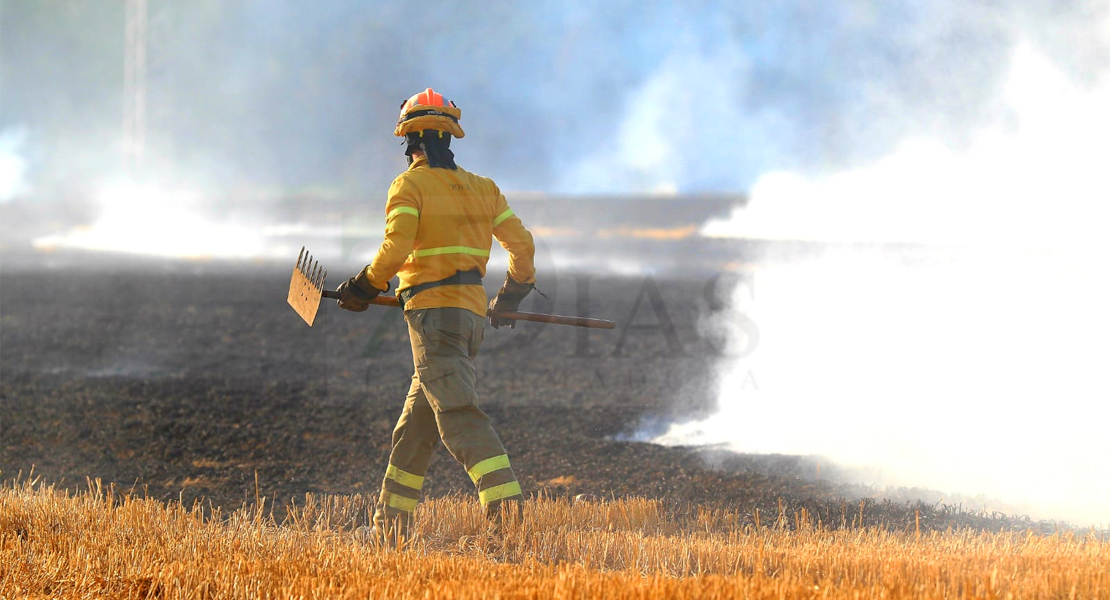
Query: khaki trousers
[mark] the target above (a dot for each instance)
(442, 404)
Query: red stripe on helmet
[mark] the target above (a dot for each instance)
(429, 97)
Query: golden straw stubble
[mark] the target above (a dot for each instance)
(95, 544)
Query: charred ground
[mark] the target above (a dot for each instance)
(190, 380)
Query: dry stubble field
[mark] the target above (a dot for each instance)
(96, 544)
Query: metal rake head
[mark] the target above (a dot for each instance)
(306, 287)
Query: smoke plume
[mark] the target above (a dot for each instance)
(970, 363)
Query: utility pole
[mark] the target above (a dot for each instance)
(134, 86)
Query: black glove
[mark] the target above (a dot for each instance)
(356, 293)
(508, 300)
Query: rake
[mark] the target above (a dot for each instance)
(306, 290)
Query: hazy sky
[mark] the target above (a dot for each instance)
(569, 96)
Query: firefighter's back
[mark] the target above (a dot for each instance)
(458, 212)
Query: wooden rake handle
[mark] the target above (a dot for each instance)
(517, 316)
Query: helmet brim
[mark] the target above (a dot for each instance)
(442, 118)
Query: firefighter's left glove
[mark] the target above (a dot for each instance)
(508, 300)
(356, 293)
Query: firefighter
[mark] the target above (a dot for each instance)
(440, 221)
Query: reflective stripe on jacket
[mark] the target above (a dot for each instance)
(441, 221)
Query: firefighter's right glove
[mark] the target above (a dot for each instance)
(508, 300)
(356, 293)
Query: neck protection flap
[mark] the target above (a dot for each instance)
(436, 146)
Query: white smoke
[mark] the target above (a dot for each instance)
(694, 94)
(13, 167)
(977, 368)
(155, 221)
(1034, 176)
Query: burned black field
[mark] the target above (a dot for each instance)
(196, 381)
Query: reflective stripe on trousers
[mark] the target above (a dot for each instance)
(404, 478)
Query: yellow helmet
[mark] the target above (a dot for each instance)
(428, 110)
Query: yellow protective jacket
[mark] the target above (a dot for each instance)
(442, 221)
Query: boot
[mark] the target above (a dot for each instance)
(499, 512)
(392, 530)
(369, 535)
